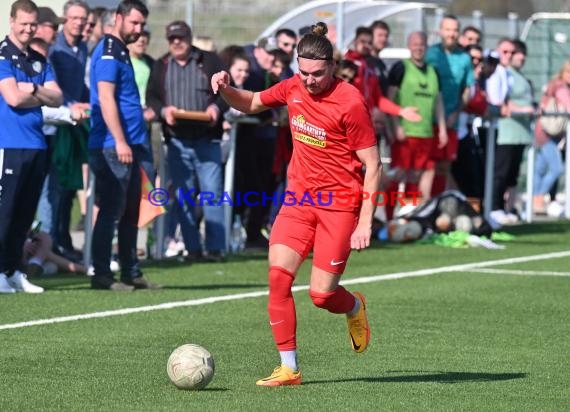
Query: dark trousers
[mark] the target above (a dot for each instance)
(118, 194)
(468, 169)
(253, 172)
(22, 173)
(508, 158)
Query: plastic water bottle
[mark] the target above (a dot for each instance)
(237, 236)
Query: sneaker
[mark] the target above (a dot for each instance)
(108, 283)
(142, 283)
(358, 328)
(19, 281)
(281, 376)
(4, 285)
(121, 287)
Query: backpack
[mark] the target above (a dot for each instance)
(554, 125)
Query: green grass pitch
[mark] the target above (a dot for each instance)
(465, 339)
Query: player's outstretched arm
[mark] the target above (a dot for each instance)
(243, 100)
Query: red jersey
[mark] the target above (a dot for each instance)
(327, 129)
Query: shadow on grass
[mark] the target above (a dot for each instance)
(554, 227)
(438, 377)
(86, 285)
(216, 286)
(175, 262)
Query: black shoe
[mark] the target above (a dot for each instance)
(214, 257)
(141, 283)
(110, 284)
(192, 257)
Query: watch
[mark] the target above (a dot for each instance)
(35, 89)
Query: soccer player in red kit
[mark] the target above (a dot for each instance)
(334, 150)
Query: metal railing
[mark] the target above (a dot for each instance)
(489, 169)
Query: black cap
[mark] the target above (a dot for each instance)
(47, 15)
(178, 28)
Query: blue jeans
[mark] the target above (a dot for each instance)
(49, 201)
(547, 167)
(197, 163)
(118, 194)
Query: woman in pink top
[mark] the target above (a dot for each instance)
(548, 163)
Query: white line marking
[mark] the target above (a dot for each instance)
(237, 296)
(521, 272)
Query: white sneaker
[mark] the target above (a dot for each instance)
(4, 285)
(498, 218)
(19, 281)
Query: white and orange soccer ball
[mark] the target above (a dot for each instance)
(190, 366)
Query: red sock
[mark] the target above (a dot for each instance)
(338, 301)
(281, 307)
(438, 186)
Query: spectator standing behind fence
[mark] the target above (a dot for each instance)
(256, 142)
(26, 84)
(68, 56)
(456, 78)
(380, 37)
(48, 24)
(514, 136)
(548, 163)
(468, 169)
(470, 36)
(413, 81)
(142, 65)
(179, 80)
(286, 40)
(116, 143)
(498, 87)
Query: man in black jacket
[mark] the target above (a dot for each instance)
(180, 81)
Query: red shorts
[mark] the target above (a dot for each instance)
(413, 153)
(326, 232)
(447, 152)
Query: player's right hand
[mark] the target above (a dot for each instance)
(220, 81)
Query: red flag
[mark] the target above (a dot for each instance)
(148, 211)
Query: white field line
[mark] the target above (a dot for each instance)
(521, 272)
(238, 296)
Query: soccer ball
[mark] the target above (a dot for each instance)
(190, 366)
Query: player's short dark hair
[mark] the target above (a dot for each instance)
(126, 6)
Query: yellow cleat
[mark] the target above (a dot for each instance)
(358, 328)
(281, 376)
